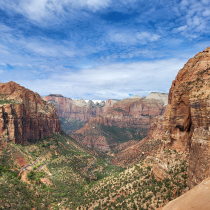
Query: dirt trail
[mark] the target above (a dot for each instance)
(102, 167)
(89, 165)
(42, 166)
(24, 177)
(25, 167)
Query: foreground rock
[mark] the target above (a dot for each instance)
(185, 126)
(24, 115)
(128, 119)
(197, 198)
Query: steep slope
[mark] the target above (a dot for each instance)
(128, 119)
(58, 173)
(74, 113)
(186, 122)
(197, 198)
(137, 188)
(48, 173)
(24, 115)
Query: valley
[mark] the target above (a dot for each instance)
(137, 153)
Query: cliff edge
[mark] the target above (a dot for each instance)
(24, 115)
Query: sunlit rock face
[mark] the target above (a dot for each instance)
(76, 108)
(24, 115)
(186, 122)
(197, 198)
(128, 119)
(159, 96)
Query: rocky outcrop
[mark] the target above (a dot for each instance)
(197, 198)
(128, 119)
(135, 153)
(189, 115)
(159, 96)
(24, 115)
(186, 123)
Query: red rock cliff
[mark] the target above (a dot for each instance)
(24, 115)
(133, 113)
(77, 109)
(186, 125)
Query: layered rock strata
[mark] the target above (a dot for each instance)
(24, 115)
(128, 119)
(186, 123)
(76, 109)
(74, 113)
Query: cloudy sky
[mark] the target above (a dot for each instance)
(99, 49)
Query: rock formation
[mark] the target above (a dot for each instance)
(159, 96)
(24, 115)
(77, 109)
(128, 119)
(74, 113)
(197, 198)
(185, 125)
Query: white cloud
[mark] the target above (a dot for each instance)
(40, 10)
(1, 71)
(110, 81)
(130, 38)
(194, 18)
(206, 12)
(144, 36)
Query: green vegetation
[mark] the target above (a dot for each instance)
(65, 160)
(136, 188)
(64, 182)
(6, 101)
(115, 134)
(70, 125)
(118, 109)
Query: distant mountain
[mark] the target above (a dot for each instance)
(126, 120)
(159, 96)
(74, 113)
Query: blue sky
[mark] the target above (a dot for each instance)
(94, 49)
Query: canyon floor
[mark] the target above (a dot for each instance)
(58, 173)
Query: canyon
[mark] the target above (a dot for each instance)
(74, 113)
(127, 120)
(24, 115)
(185, 124)
(165, 136)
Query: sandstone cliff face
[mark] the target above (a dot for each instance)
(186, 123)
(24, 115)
(128, 119)
(189, 112)
(131, 113)
(74, 113)
(77, 109)
(197, 198)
